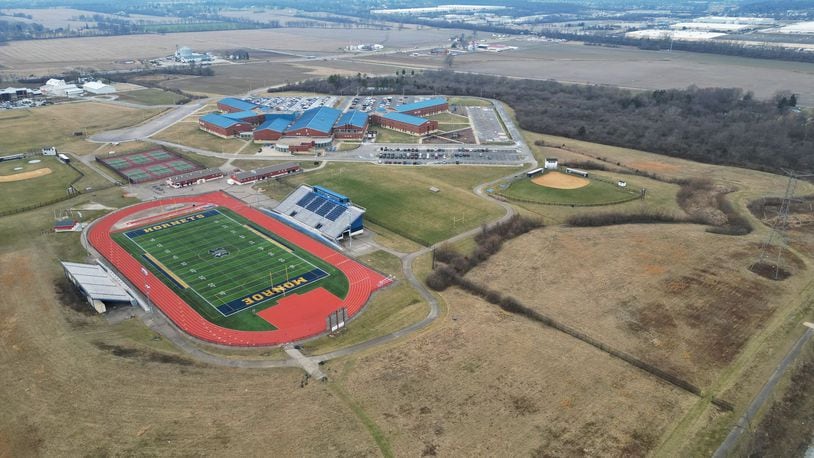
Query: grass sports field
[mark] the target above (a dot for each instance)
(226, 267)
(36, 189)
(595, 193)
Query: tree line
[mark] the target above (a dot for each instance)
(728, 48)
(713, 125)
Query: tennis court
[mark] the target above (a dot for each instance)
(144, 166)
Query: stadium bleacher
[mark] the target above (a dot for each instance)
(332, 214)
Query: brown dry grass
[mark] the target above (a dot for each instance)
(54, 125)
(25, 175)
(673, 295)
(44, 56)
(73, 384)
(559, 180)
(486, 383)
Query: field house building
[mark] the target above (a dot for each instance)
(329, 213)
(425, 107)
(264, 173)
(401, 122)
(195, 177)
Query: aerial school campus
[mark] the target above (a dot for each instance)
(417, 262)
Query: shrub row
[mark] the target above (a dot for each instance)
(488, 241)
(614, 218)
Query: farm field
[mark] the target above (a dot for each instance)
(241, 78)
(212, 273)
(35, 190)
(628, 67)
(45, 56)
(24, 128)
(150, 96)
(397, 197)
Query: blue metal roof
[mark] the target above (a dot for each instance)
(422, 104)
(354, 118)
(220, 120)
(240, 115)
(321, 119)
(241, 105)
(405, 118)
(275, 124)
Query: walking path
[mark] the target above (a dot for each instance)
(159, 323)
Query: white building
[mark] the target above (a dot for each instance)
(550, 163)
(58, 88)
(98, 87)
(186, 55)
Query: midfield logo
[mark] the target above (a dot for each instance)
(219, 252)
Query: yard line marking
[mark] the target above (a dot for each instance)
(166, 270)
(283, 247)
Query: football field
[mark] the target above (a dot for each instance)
(225, 266)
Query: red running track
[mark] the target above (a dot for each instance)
(362, 280)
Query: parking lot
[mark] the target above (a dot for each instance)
(486, 125)
(427, 156)
(291, 104)
(387, 102)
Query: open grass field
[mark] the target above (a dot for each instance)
(385, 135)
(487, 383)
(34, 190)
(54, 125)
(399, 198)
(596, 192)
(187, 132)
(469, 102)
(629, 67)
(219, 263)
(150, 96)
(477, 381)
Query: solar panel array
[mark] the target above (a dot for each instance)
(321, 206)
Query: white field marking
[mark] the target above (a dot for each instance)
(238, 285)
(193, 289)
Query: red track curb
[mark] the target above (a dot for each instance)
(362, 280)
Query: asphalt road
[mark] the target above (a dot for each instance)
(159, 323)
(151, 127)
